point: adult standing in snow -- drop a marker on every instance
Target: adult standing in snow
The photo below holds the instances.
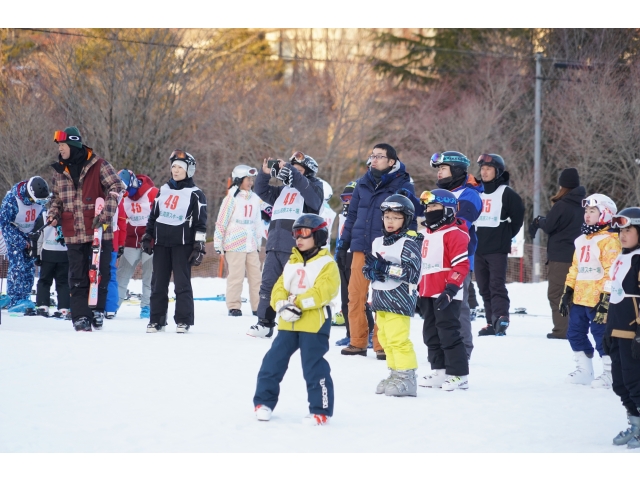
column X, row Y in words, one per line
column 238, row 237
column 80, row 177
column 20, row 209
column 301, row 193
column 386, row 175
column 499, row 221
column 133, row 215
column 563, row 224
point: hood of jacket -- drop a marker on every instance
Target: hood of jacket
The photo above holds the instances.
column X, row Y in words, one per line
column 575, row 196
column 398, row 170
column 471, row 182
column 20, row 192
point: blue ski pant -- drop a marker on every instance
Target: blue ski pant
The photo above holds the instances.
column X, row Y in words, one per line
column 112, row 290
column 580, row 322
column 315, row 369
column 20, row 276
column 79, row 263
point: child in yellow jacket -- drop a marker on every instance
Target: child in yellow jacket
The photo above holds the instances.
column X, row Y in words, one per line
column 301, row 298
column 587, row 289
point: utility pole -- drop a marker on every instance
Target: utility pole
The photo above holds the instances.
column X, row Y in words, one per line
column 536, row 167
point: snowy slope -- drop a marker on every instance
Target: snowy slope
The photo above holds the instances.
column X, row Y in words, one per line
column 122, row 390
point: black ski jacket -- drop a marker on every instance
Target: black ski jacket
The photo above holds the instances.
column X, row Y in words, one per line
column 563, row 224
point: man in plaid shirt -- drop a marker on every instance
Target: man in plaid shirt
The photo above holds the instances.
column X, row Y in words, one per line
column 80, row 178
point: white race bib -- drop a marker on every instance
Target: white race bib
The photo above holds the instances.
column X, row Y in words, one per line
column 588, row 254
column 173, row 205
column 491, row 208
column 298, row 277
column 433, row 255
column 391, row 253
column 138, row 211
column 26, row 216
column 289, row 205
column 329, row 216
column 617, row 273
column 49, row 240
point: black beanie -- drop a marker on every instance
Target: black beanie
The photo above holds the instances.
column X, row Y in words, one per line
column 569, row 178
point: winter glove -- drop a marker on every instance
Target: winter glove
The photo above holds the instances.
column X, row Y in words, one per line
column 341, row 255
column 197, row 254
column 286, row 175
column 99, row 220
column 287, row 309
column 635, row 345
column 120, row 250
column 275, row 170
column 567, row 300
column 377, row 263
column 60, row 236
column 534, row 226
column 37, row 262
column 602, row 308
column 446, row 297
column 606, row 344
column 373, row 275
column 147, row 244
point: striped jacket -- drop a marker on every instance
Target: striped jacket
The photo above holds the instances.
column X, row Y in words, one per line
column 74, row 208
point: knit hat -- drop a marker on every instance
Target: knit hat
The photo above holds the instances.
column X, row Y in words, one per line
column 71, row 136
column 569, row 178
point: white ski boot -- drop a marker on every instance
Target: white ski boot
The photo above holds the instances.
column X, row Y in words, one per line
column 383, row 383
column 260, row 331
column 624, row 438
column 315, row 420
column 455, row 382
column 604, row 380
column 403, row 384
column 263, row 413
column 434, row 380
column 583, row 374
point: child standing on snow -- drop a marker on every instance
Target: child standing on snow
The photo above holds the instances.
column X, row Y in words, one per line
column 622, row 338
column 445, row 265
column 587, row 289
column 393, row 267
column 301, row 298
column 238, row 237
column 175, row 236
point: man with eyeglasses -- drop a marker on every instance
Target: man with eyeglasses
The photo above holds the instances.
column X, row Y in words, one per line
column 386, row 175
column 79, row 179
column 301, row 193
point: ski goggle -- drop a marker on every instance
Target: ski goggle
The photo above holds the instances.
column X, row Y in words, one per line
column 61, row 136
column 485, row 158
column 306, row 232
column 589, row 202
column 297, row 157
column 440, row 159
column 178, row 155
column 392, row 206
column 620, row 221
column 346, row 197
column 427, row 197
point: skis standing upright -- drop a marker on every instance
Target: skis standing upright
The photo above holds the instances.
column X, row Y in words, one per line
column 96, row 246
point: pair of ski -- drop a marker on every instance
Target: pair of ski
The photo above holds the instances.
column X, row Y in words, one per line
column 96, row 247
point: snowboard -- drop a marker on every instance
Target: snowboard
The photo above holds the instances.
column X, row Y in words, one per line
column 96, row 246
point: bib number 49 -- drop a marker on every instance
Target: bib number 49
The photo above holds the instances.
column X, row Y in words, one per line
column 171, row 202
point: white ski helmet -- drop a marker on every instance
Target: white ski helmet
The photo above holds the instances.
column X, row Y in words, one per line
column 604, row 204
column 326, row 188
column 242, row 171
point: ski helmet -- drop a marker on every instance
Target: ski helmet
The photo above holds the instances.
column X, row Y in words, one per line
column 347, row 193
column 130, row 181
column 309, row 164
column 627, row 216
column 492, row 160
column 265, row 211
column 398, row 203
column 185, row 160
column 242, row 171
column 445, row 198
column 38, row 190
column 604, row 204
column 326, row 189
column 311, row 224
column 451, row 158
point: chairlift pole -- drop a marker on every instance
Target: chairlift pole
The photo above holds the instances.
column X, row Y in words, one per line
column 536, row 166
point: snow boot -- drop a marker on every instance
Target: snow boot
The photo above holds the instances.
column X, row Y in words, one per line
column 351, row 350
column 455, row 382
column 383, row 383
column 486, row 331
column 380, row 355
column 434, row 380
column 182, row 328
column 343, row 342
column 583, row 374
column 260, row 330
column 501, row 326
column 82, row 324
column 623, row 438
column 263, row 413
column 234, row 312
column 604, row 380
column 155, row 327
column 98, row 320
column 403, row 384
column 315, row 420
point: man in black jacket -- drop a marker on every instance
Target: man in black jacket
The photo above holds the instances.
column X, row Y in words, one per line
column 499, row 221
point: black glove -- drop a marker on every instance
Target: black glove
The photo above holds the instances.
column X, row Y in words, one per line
column 197, row 254
column 601, row 308
column 147, row 244
column 99, row 220
column 37, row 262
column 286, row 175
column 373, row 275
column 534, row 226
column 341, row 255
column 567, row 300
column 606, row 344
column 635, row 345
column 274, row 170
column 120, row 250
column 446, row 297
column 377, row 263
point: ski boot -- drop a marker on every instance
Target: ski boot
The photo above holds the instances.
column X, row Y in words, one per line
column 262, row 329
column 82, row 324
column 623, row 438
column 315, row 420
column 501, row 326
column 583, row 374
column 343, row 342
column 145, row 312
column 455, row 382
column 182, row 328
column 263, row 413
column 383, row 383
column 4, row 300
column 434, row 380
column 604, row 380
column 403, row 384
column 21, row 306
column 234, row 312
column 98, row 320
column 486, row 331
column 43, row 311
column 480, row 312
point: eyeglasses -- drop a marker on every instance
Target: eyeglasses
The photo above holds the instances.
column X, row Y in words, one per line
column 391, row 217
column 178, row 155
column 377, row 157
column 392, row 206
column 346, row 197
column 485, row 158
column 61, row 136
column 620, row 221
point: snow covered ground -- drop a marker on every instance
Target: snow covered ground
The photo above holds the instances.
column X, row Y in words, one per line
column 122, row 390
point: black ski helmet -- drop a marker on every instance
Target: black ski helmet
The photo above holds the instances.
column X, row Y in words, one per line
column 451, row 158
column 398, row 203
column 187, row 159
column 626, row 217
column 38, row 190
column 309, row 164
column 492, row 160
column 316, row 224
